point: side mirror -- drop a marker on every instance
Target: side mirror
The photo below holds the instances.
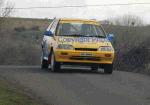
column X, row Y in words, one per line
column 110, row 37
column 48, row 33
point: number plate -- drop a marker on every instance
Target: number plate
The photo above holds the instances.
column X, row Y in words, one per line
column 86, row 54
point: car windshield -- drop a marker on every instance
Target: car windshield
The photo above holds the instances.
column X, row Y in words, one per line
column 79, row 29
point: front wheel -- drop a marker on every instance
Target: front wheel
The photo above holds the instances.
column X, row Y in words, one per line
column 44, row 64
column 55, row 66
column 108, row 68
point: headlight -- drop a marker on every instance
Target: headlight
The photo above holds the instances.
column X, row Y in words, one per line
column 65, row 47
column 106, row 48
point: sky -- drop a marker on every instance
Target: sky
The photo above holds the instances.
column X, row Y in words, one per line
column 100, row 13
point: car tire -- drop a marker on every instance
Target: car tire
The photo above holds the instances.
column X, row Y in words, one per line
column 44, row 64
column 55, row 66
column 94, row 68
column 108, row 68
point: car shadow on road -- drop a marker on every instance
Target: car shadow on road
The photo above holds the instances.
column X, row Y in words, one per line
column 76, row 71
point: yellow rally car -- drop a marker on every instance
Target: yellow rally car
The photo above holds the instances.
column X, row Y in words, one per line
column 77, row 41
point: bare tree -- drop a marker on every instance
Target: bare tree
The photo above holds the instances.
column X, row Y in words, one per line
column 127, row 20
column 5, row 10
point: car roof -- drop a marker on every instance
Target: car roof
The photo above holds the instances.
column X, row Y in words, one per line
column 79, row 20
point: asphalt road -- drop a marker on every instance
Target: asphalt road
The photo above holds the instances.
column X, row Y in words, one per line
column 80, row 86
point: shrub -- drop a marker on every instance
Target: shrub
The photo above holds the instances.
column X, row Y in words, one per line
column 35, row 28
column 20, row 29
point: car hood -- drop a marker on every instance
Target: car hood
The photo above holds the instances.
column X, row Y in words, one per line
column 83, row 42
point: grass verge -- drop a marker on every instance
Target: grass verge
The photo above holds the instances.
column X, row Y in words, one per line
column 9, row 95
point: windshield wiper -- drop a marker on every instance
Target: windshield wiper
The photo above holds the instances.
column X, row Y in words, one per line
column 80, row 35
column 97, row 36
column 75, row 35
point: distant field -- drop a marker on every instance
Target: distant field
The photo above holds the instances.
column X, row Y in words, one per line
column 20, row 41
column 20, row 44
column 27, row 23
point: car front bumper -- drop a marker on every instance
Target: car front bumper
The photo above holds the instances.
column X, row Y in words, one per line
column 72, row 56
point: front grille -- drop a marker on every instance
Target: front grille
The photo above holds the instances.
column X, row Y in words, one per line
column 85, row 58
column 86, row 49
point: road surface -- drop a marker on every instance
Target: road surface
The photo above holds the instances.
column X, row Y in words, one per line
column 80, row 86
